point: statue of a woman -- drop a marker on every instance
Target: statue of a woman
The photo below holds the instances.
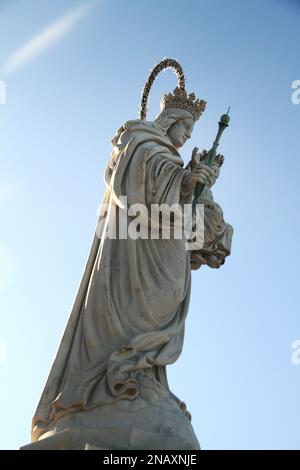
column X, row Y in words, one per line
column 108, row 386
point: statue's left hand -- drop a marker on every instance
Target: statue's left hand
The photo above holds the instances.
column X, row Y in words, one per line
column 219, row 159
column 216, row 172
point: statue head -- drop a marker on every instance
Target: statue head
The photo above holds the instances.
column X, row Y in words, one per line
column 179, row 110
column 176, row 123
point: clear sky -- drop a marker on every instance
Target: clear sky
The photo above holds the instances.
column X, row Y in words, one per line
column 73, row 72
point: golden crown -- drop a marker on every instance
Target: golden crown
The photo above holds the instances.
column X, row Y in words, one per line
column 179, row 98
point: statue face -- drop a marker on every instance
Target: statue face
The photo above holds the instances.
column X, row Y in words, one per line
column 180, row 131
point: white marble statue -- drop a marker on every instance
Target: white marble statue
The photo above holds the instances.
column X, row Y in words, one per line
column 108, row 385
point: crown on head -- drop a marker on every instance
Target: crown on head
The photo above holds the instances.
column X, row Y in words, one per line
column 179, row 98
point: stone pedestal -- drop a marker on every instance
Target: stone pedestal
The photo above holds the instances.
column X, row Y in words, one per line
column 158, row 426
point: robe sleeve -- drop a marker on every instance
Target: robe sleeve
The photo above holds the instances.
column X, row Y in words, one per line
column 154, row 177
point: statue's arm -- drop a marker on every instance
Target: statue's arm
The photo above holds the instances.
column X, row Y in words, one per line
column 197, row 172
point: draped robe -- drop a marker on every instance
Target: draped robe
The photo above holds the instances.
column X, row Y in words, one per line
column 129, row 313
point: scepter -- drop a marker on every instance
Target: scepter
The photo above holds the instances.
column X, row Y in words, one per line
column 211, row 155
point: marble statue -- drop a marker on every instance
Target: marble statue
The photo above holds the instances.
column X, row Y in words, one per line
column 108, row 386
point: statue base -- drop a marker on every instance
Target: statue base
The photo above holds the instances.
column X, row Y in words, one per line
column 157, row 426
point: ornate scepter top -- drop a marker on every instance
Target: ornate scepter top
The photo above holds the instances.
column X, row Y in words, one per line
column 179, row 98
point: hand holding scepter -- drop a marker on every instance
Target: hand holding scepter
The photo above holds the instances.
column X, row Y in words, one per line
column 211, row 155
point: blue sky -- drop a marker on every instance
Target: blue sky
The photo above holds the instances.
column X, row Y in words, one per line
column 66, row 94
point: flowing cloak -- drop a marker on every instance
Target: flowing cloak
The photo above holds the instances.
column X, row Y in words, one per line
column 130, row 310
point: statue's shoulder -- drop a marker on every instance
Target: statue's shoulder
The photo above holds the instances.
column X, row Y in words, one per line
column 130, row 129
column 143, row 138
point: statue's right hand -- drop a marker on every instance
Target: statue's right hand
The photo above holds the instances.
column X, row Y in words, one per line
column 200, row 174
column 197, row 157
column 195, row 160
